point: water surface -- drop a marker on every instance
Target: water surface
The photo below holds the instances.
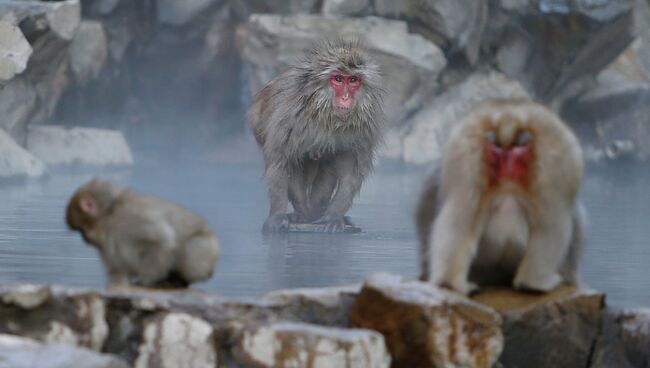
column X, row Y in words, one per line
column 36, row 246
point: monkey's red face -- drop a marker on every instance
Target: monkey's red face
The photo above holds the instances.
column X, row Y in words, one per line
column 509, row 162
column 344, row 86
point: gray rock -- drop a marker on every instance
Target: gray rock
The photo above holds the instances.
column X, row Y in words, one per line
column 174, row 340
column 57, row 145
column 54, row 317
column 14, row 51
column 624, row 339
column 422, row 139
column 18, row 100
column 99, row 7
column 285, row 344
column 556, row 329
column 88, row 51
column 613, row 123
column 459, row 22
column 20, row 352
column 244, row 8
column 324, row 306
column 410, row 64
column 585, row 36
column 61, row 17
column 181, row 12
column 345, row 7
column 15, row 161
column 425, row 326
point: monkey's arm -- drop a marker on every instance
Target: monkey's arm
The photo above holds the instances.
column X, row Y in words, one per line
column 277, row 179
column 425, row 214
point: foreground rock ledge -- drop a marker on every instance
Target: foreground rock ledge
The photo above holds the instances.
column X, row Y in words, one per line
column 557, row 329
column 415, row 325
column 302, row 345
column 428, row 327
column 20, row 352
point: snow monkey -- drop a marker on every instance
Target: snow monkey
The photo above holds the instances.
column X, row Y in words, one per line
column 318, row 125
column 142, row 239
column 503, row 206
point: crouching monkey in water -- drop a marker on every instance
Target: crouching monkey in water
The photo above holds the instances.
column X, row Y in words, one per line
column 142, row 239
column 318, row 125
column 503, row 206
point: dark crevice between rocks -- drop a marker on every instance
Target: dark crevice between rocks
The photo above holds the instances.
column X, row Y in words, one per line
column 599, row 333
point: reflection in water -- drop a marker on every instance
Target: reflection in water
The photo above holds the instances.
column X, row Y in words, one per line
column 36, row 246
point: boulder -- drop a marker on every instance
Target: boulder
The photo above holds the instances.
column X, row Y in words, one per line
column 18, row 101
column 88, row 51
column 98, row 7
column 554, row 47
column 409, row 63
column 345, row 7
column 54, row 317
column 454, row 24
column 57, row 145
column 423, row 136
column 20, row 352
column 60, row 17
column 181, row 12
column 324, row 306
column 285, row 344
column 14, row 51
column 173, row 340
column 428, row 327
column 624, row 340
column 16, row 161
column 614, row 124
column 557, row 329
column 49, row 27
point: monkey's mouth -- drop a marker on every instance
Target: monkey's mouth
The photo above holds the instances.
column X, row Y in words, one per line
column 343, row 109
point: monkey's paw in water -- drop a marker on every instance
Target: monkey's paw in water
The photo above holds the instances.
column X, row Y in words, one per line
column 323, row 226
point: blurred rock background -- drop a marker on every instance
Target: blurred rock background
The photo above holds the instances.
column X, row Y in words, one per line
column 176, row 77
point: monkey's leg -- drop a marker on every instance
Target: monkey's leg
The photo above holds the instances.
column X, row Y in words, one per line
column 298, row 195
column 547, row 249
column 198, row 257
column 569, row 268
column 424, row 217
column 117, row 278
column 322, row 188
column 454, row 243
column 349, row 183
column 277, row 178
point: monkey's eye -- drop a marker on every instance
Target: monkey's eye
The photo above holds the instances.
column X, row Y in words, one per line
column 338, row 78
column 523, row 138
column 354, row 79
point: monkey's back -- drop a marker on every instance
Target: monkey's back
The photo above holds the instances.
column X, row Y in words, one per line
column 265, row 105
column 145, row 208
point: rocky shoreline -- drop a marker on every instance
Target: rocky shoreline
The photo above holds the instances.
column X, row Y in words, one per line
column 144, row 68
column 386, row 322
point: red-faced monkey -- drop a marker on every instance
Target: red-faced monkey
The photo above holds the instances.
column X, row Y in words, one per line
column 318, row 125
column 503, row 207
column 142, row 239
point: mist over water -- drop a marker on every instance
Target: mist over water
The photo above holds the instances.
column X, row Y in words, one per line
column 36, row 246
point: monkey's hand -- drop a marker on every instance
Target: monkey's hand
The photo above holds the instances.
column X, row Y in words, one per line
column 276, row 224
column 334, row 222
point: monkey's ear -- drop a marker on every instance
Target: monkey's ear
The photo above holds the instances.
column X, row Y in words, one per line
column 88, row 205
